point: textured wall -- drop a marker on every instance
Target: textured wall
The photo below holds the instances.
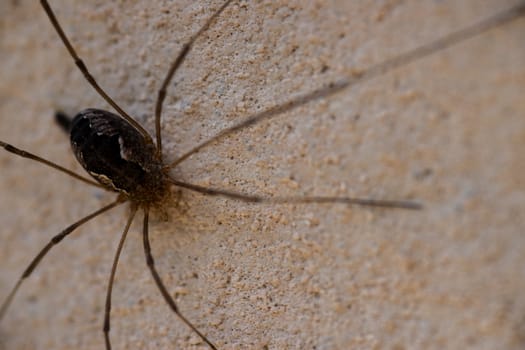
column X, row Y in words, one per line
column 448, row 130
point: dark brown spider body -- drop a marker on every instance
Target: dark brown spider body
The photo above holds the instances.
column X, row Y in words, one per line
column 117, row 155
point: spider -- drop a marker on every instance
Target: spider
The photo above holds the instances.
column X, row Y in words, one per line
column 147, row 179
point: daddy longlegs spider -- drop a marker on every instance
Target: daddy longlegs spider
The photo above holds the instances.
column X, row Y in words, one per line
column 147, row 181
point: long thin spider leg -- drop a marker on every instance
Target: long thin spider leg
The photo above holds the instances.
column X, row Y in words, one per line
column 151, row 265
column 370, row 73
column 107, row 310
column 54, row 241
column 267, row 114
column 83, row 68
column 174, row 66
column 400, row 204
column 25, row 154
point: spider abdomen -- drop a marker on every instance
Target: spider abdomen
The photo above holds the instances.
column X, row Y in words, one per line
column 117, row 155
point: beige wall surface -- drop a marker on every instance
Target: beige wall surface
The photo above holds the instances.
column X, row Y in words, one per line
column 447, row 130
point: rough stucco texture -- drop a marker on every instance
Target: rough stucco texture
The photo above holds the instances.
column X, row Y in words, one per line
column 448, row 130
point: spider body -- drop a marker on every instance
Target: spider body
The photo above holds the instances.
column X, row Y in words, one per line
column 115, row 154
